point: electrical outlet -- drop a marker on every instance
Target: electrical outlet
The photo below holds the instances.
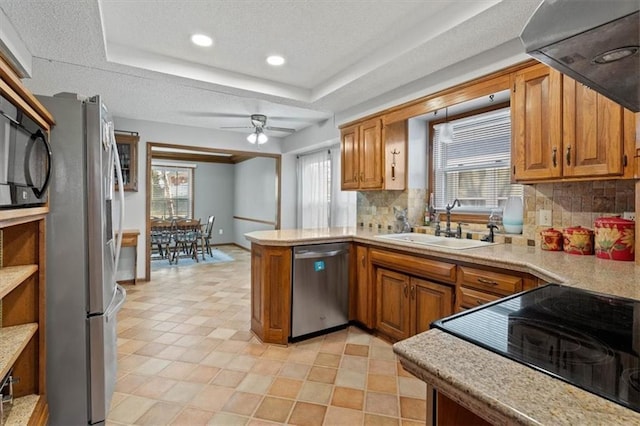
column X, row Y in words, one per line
column 629, row 215
column 544, row 217
column 220, row 232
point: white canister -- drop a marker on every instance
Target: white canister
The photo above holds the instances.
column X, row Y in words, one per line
column 512, row 218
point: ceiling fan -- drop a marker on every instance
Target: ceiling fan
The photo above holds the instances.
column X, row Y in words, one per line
column 259, row 124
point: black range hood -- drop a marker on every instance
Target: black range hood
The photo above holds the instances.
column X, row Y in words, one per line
column 595, row 42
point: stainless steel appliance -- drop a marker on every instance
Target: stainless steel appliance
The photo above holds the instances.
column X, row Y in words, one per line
column 593, row 41
column 25, row 159
column 83, row 298
column 587, row 339
column 320, row 288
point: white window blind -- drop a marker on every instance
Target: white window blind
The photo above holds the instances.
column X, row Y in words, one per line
column 474, row 166
column 171, row 192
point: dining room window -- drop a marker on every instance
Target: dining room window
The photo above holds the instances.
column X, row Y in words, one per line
column 171, row 192
column 473, row 163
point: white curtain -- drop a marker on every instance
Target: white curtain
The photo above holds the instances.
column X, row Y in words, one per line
column 343, row 203
column 314, row 172
column 321, row 203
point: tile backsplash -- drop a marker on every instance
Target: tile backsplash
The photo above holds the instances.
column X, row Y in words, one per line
column 570, row 203
column 375, row 208
column 576, row 203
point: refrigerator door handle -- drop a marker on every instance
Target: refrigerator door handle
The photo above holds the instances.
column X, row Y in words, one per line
column 116, row 157
column 116, row 302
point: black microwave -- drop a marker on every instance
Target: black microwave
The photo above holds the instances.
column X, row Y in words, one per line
column 25, row 159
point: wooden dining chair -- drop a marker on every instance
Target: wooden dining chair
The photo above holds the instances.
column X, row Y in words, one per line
column 205, row 237
column 187, row 234
column 161, row 236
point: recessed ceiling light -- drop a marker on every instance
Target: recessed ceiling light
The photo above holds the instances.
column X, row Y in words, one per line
column 201, row 40
column 275, row 60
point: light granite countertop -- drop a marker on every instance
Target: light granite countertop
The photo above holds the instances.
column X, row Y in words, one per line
column 497, row 388
column 587, row 272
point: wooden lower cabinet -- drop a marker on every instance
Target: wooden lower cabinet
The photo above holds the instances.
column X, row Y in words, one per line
column 392, row 307
column 450, row 413
column 480, row 285
column 432, row 301
column 271, row 293
column 407, row 305
column 23, row 318
column 363, row 294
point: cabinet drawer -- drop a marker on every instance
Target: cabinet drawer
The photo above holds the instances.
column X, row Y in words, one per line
column 413, row 265
column 494, row 282
column 471, row 298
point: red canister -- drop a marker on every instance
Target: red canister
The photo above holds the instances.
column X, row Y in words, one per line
column 578, row 240
column 551, row 240
column 615, row 238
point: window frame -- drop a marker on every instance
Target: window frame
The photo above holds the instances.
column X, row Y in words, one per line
column 464, row 217
column 192, row 194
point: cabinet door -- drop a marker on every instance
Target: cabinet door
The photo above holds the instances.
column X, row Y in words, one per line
column 429, row 302
column 350, row 157
column 371, row 155
column 364, row 292
column 393, row 308
column 536, row 124
column 128, row 154
column 394, row 138
column 592, row 132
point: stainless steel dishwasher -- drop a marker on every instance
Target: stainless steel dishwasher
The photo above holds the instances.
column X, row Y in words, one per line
column 320, row 288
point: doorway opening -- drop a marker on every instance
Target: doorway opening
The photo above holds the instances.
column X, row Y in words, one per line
column 241, row 189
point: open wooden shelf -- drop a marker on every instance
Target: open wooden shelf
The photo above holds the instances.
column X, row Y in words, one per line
column 13, row 340
column 19, row 412
column 12, row 276
column 17, row 216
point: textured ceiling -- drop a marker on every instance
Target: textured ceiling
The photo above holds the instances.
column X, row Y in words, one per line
column 340, row 54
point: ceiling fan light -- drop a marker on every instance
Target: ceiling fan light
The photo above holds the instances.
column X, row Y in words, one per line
column 262, row 138
column 252, row 138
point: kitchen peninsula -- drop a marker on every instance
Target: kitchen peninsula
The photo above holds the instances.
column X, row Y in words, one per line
column 495, row 388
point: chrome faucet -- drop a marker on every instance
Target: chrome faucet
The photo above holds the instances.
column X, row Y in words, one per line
column 447, row 231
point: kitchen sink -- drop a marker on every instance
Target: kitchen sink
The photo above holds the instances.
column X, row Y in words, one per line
column 432, row 240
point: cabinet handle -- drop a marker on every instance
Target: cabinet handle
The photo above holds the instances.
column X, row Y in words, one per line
column 486, row 281
column 478, row 302
column 413, row 292
column 355, row 177
column 554, row 157
column 569, row 155
column 362, row 177
column 362, row 260
column 406, row 291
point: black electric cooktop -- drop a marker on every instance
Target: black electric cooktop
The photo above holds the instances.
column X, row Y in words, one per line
column 587, row 339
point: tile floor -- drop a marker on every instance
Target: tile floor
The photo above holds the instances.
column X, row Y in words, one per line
column 187, row 357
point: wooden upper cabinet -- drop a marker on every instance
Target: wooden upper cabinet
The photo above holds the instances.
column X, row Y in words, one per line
column 371, row 157
column 350, row 156
column 592, row 132
column 536, row 124
column 562, row 129
column 128, row 153
column 367, row 159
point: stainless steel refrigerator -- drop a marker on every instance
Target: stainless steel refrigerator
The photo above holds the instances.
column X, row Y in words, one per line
column 83, row 297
